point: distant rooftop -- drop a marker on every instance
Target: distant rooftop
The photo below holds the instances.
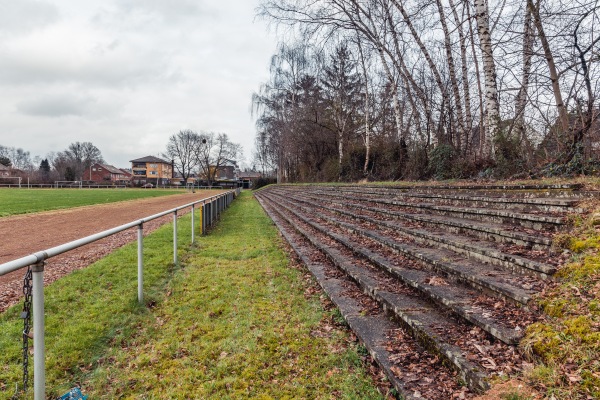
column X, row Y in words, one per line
column 151, row 159
column 110, row 168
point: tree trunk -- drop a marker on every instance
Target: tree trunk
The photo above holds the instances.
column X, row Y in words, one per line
column 388, row 72
column 460, row 121
column 465, row 76
column 521, row 100
column 537, row 21
column 367, row 121
column 489, row 71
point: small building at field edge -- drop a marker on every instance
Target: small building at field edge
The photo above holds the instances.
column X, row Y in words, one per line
column 104, row 173
column 153, row 170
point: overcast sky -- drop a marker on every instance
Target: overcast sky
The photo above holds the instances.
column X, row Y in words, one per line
column 127, row 74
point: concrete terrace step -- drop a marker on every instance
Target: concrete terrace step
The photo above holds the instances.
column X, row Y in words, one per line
column 459, row 244
column 424, row 320
column 532, row 221
column 544, row 204
column 457, row 298
column 488, row 231
column 495, row 281
column 474, row 187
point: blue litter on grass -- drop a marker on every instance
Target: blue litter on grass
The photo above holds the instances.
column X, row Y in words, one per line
column 73, row 394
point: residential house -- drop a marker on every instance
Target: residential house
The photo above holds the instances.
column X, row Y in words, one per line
column 152, row 170
column 4, row 170
column 247, row 178
column 104, row 173
column 178, row 179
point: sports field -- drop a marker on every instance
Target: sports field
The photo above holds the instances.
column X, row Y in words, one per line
column 23, row 201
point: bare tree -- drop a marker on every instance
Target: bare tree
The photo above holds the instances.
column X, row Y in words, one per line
column 181, row 148
column 212, row 151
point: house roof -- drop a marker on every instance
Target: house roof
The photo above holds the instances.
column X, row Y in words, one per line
column 151, row 159
column 110, row 168
column 249, row 174
column 4, row 168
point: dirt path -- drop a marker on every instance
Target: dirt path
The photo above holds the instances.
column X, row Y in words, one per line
column 22, row 235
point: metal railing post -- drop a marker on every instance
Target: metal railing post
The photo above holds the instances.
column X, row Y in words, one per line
column 39, row 354
column 193, row 233
column 203, row 214
column 175, row 237
column 140, row 255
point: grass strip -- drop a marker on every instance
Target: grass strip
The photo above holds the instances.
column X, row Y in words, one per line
column 567, row 341
column 21, row 201
column 234, row 320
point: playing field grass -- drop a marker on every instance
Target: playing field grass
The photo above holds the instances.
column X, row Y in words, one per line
column 234, row 320
column 23, row 201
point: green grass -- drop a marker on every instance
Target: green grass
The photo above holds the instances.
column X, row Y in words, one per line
column 566, row 342
column 22, row 201
column 234, row 320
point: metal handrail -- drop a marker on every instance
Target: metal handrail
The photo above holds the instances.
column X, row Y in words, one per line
column 63, row 248
column 211, row 208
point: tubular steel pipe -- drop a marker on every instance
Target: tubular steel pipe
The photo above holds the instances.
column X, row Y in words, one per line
column 39, row 353
column 193, row 233
column 175, row 237
column 63, row 248
column 140, row 260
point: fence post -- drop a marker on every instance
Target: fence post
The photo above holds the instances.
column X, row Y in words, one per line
column 193, row 233
column 203, row 213
column 39, row 354
column 140, row 255
column 175, row 237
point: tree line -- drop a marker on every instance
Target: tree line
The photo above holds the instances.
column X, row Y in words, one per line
column 70, row 164
column 192, row 153
column 407, row 89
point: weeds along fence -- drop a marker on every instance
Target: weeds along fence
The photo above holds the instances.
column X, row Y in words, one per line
column 210, row 208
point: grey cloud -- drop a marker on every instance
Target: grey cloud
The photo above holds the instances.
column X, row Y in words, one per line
column 125, row 69
column 56, row 106
column 145, row 15
column 19, row 16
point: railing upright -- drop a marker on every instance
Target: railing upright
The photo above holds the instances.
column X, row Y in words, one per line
column 140, row 260
column 175, row 237
column 193, row 218
column 39, row 332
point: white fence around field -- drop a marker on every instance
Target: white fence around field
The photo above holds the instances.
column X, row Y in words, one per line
column 211, row 209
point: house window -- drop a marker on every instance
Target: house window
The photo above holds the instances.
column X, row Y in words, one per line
column 153, row 173
column 152, row 165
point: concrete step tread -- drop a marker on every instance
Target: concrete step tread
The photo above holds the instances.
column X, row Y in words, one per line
column 457, row 242
column 514, row 187
column 458, row 298
column 544, row 201
column 420, row 316
column 468, row 210
column 470, row 225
